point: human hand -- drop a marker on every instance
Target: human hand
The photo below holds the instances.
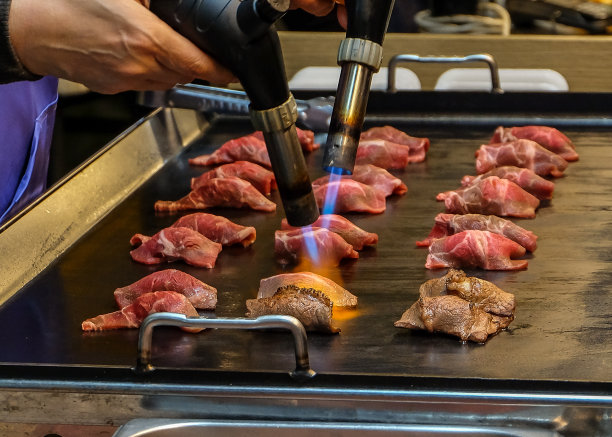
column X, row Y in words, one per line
column 322, row 7
column 107, row 45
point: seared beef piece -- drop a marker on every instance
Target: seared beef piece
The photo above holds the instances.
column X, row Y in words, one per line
column 384, row 154
column 351, row 233
column 491, row 196
column 251, row 148
column 352, row 196
column 525, row 178
column 305, row 137
column 455, row 316
column 520, row 153
column 248, row 148
column 171, row 244
column 340, row 297
column 201, row 295
column 467, row 307
column 218, row 229
column 484, row 294
column 132, row 315
column 547, row 137
column 376, row 177
column 418, row 146
column 293, row 246
column 450, row 224
column 309, row 306
column 259, row 177
column 482, row 249
column 230, row 192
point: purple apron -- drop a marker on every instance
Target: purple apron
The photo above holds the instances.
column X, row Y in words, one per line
column 27, row 115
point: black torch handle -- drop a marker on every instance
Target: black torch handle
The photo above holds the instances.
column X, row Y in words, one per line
column 238, row 34
column 368, row 19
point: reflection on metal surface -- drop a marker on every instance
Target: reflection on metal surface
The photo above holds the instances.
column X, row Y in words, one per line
column 42, row 232
column 193, row 428
column 121, row 404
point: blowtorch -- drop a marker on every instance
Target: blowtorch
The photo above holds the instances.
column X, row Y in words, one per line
column 240, row 35
column 360, row 56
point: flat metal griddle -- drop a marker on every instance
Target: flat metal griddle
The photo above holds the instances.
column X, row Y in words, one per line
column 561, row 333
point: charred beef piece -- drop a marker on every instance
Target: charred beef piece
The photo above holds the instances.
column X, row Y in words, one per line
column 309, row 306
column 483, row 294
column 340, row 297
column 467, row 307
column 455, row 316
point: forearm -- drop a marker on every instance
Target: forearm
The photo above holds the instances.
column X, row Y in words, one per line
column 11, row 69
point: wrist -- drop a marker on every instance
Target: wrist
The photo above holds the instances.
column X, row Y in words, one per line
column 12, row 69
column 14, row 38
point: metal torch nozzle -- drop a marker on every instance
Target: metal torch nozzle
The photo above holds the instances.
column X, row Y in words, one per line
column 360, row 55
column 288, row 163
column 347, row 118
column 360, row 59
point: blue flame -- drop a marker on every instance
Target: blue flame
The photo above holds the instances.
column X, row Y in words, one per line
column 311, row 245
column 332, row 191
column 328, row 208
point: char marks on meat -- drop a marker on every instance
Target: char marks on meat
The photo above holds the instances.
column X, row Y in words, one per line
column 230, row 192
column 247, row 148
column 292, row 246
column 261, row 178
column 480, row 293
column 309, row 306
column 218, row 229
column 201, row 295
column 482, row 249
column 548, row 137
column 449, row 224
column 376, row 177
column 352, row 196
column 418, row 146
column 132, row 315
column 467, row 307
column 455, row 316
column 520, row 153
column 340, row 297
column 171, row 244
column 491, row 196
column 523, row 177
column 351, row 233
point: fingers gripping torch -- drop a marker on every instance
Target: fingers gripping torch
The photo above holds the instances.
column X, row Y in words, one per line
column 240, row 35
column 360, row 56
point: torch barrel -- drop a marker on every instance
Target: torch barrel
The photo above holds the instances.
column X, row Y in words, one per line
column 360, row 55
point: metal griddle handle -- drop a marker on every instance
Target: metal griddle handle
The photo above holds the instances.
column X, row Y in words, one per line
column 145, row 336
column 481, row 57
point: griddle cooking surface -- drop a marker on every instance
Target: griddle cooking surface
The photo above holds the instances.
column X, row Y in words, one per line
column 563, row 317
